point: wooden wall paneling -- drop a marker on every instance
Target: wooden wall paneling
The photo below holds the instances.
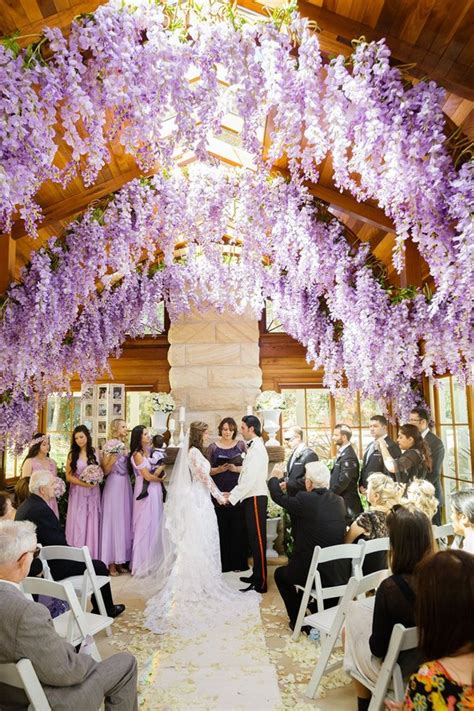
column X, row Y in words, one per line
column 7, row 261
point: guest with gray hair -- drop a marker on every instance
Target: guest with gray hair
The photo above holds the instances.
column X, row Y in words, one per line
column 50, row 533
column 320, row 516
column 70, row 681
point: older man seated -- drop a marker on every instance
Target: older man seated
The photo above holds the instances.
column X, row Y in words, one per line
column 70, row 681
column 50, row 533
column 320, row 516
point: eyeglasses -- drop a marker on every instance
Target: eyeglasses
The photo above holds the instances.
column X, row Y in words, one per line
column 35, row 552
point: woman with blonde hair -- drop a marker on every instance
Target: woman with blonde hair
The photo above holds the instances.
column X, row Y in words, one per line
column 421, row 493
column 382, row 494
column 116, row 525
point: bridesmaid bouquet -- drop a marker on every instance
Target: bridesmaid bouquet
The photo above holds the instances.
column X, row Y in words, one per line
column 59, row 487
column 92, row 474
column 114, row 446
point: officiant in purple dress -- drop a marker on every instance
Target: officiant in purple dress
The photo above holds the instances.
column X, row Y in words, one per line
column 225, row 456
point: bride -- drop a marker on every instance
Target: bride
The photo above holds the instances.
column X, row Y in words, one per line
column 191, row 589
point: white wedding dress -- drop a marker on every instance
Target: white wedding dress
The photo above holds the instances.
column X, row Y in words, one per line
column 191, row 588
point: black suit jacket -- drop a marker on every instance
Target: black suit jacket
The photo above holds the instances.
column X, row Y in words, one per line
column 320, row 516
column 374, row 463
column 436, row 447
column 297, row 470
column 344, row 478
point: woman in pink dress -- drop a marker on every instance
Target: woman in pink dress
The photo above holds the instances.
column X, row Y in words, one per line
column 116, row 523
column 147, row 512
column 83, row 510
column 37, row 460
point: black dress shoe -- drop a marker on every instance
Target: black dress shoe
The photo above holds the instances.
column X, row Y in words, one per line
column 252, row 587
column 116, row 610
column 246, row 579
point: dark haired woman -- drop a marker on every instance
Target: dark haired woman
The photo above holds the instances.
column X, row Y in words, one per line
column 83, row 508
column 462, row 517
column 38, row 459
column 367, row 636
column 7, row 510
column 147, row 512
column 415, row 460
column 225, row 456
column 192, row 593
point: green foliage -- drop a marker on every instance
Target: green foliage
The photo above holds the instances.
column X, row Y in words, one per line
column 10, row 43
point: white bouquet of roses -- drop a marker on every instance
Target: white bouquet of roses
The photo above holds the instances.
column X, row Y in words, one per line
column 92, row 474
column 273, row 510
column 159, row 402
column 271, row 400
column 59, row 487
column 114, row 446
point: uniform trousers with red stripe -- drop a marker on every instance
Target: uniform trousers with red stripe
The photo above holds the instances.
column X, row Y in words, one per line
column 255, row 511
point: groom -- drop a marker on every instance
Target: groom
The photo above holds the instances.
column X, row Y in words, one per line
column 252, row 492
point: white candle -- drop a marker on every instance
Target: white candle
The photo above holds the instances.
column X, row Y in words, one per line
column 249, row 410
column 171, row 424
column 182, row 414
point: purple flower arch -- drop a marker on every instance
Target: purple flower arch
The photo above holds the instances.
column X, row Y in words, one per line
column 123, row 74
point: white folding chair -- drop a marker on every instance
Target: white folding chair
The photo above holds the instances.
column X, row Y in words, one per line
column 75, row 624
column 23, row 676
column 443, row 531
column 375, row 545
column 85, row 585
column 313, row 587
column 402, row 639
column 330, row 623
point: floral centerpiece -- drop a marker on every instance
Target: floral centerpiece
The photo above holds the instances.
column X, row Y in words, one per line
column 92, row 474
column 114, row 446
column 159, row 402
column 271, row 400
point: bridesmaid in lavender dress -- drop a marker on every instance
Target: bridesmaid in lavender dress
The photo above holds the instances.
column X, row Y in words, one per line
column 147, row 512
column 83, row 511
column 116, row 524
column 38, row 459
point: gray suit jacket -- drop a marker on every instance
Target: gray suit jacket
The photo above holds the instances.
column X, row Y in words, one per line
column 70, row 680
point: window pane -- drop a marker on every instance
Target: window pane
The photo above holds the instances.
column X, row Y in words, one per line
column 367, row 409
column 460, row 403
column 318, row 408
column 60, row 445
column 62, row 412
column 135, row 402
column 445, row 406
column 447, row 435
column 347, row 409
column 320, row 441
column 449, row 487
column 464, row 453
column 295, row 414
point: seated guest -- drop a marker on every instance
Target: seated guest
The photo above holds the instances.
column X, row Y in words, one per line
column 345, row 472
column 372, row 461
column 367, row 633
column 320, row 516
column 462, row 517
column 444, row 617
column 415, row 460
column 7, row 510
column 70, row 681
column 382, row 494
column 49, row 533
column 421, row 493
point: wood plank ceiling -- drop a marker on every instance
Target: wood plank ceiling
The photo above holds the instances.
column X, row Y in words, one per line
column 436, row 35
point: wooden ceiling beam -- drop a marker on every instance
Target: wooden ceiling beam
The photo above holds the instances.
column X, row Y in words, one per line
column 337, row 32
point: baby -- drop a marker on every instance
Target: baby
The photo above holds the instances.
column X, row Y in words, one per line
column 157, row 457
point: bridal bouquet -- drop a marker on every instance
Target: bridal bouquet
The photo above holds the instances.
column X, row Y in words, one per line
column 273, row 510
column 159, row 402
column 114, row 446
column 59, row 487
column 271, row 400
column 92, row 474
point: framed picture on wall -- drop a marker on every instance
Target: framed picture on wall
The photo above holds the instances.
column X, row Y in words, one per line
column 117, row 392
column 102, row 426
column 117, row 409
column 103, row 392
column 101, row 442
column 102, row 409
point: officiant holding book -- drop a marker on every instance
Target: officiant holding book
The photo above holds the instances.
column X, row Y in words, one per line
column 225, row 456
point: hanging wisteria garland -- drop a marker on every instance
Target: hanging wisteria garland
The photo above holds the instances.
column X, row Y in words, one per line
column 84, row 293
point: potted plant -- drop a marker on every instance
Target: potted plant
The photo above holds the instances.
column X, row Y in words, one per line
column 269, row 404
column 158, row 406
column 274, row 516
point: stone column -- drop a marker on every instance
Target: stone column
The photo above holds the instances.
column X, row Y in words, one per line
column 214, row 361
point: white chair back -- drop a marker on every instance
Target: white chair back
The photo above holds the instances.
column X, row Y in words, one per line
column 374, row 545
column 77, row 625
column 23, row 676
column 443, row 531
